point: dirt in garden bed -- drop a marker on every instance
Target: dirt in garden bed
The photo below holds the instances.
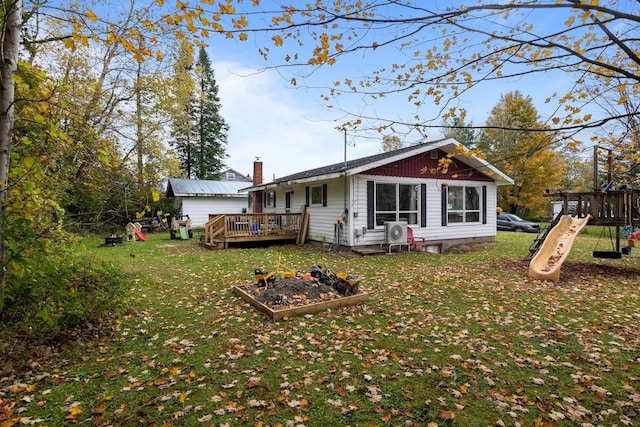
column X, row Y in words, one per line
column 292, row 292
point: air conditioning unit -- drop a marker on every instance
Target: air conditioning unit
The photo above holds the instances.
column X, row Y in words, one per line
column 395, row 233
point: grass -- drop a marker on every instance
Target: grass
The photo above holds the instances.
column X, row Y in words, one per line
column 460, row 339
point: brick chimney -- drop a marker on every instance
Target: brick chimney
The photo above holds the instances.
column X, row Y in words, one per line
column 257, row 172
column 257, row 180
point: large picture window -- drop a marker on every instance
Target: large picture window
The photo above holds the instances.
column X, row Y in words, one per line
column 396, row 202
column 463, row 204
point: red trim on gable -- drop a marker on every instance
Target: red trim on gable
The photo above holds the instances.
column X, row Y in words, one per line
column 423, row 166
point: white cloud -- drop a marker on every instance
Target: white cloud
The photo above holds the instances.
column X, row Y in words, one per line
column 288, row 130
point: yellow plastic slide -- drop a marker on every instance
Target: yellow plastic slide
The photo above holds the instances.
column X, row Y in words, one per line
column 555, row 248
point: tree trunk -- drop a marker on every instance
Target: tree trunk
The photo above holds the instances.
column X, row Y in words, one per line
column 139, row 133
column 12, row 11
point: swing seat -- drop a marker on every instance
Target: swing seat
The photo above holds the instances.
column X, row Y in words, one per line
column 607, row 254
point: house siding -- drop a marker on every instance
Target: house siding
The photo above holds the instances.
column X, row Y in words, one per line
column 434, row 231
column 426, row 165
column 323, row 220
column 199, row 208
column 425, row 169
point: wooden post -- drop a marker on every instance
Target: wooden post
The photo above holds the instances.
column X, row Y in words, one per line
column 595, row 169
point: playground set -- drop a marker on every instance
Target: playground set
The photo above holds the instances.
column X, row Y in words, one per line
column 613, row 207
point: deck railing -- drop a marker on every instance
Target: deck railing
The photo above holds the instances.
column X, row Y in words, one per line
column 613, row 207
column 225, row 228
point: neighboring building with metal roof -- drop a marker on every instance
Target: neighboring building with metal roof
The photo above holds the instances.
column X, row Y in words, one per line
column 199, row 198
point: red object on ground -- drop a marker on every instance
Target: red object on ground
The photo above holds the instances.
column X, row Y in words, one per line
column 635, row 235
column 141, row 236
column 415, row 243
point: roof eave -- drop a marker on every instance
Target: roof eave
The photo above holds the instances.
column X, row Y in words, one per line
column 209, row 195
column 309, row 180
column 448, row 145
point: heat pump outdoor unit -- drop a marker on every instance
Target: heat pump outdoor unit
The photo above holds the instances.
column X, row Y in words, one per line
column 395, row 233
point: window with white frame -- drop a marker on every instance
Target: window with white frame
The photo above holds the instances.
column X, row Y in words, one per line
column 396, row 202
column 270, row 199
column 317, row 198
column 231, row 176
column 463, row 204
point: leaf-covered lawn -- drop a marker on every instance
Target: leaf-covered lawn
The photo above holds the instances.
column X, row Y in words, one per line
column 462, row 339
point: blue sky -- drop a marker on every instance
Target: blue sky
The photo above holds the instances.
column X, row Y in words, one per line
column 290, row 128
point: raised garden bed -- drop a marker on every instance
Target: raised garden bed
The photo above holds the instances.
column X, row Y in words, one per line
column 290, row 297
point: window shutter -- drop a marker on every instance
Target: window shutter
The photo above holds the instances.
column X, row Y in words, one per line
column 444, row 205
column 306, row 200
column 484, row 204
column 371, row 221
column 423, row 205
column 274, row 199
column 324, row 195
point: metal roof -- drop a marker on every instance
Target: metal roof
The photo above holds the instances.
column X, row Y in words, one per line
column 178, row 187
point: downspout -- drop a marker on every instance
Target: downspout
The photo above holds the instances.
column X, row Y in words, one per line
column 345, row 212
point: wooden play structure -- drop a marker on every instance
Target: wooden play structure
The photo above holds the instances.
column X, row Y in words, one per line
column 615, row 208
column 611, row 209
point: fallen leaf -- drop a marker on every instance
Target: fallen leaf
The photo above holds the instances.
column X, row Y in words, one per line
column 446, row 415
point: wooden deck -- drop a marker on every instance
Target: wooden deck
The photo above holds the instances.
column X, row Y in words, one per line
column 612, row 208
column 223, row 229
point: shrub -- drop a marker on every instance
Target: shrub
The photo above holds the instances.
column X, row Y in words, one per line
column 54, row 298
column 76, row 295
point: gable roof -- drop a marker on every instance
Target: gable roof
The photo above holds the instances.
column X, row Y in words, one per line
column 238, row 176
column 356, row 166
column 178, row 187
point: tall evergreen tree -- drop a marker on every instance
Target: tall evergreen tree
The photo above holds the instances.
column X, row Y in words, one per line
column 211, row 127
column 199, row 133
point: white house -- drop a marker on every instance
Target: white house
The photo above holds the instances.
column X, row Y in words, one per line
column 443, row 193
column 200, row 198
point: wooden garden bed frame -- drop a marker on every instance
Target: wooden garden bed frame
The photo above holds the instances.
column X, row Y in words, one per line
column 286, row 313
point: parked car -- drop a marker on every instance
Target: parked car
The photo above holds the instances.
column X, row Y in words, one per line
column 511, row 222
